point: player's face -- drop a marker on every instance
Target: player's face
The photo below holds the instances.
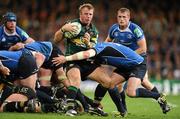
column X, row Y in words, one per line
column 11, row 25
column 123, row 19
column 86, row 15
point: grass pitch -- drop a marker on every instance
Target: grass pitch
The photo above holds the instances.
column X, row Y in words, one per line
column 138, row 108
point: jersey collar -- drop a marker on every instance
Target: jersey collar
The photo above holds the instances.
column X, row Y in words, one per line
column 9, row 34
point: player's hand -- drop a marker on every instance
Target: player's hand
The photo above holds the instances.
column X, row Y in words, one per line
column 59, row 60
column 69, row 27
column 4, row 70
column 17, row 46
column 86, row 38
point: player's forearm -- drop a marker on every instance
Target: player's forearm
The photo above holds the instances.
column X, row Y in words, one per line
column 81, row 55
column 141, row 50
column 58, row 36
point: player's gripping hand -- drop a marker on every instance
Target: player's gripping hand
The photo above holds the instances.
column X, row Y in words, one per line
column 86, row 39
column 69, row 27
column 17, row 46
column 59, row 60
column 4, row 70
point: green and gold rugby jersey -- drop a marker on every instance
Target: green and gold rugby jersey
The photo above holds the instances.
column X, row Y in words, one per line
column 76, row 44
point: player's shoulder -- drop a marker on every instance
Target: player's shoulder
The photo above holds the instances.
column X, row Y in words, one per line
column 133, row 25
column 116, row 25
column 19, row 30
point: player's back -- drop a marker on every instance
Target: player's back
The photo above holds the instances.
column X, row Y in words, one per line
column 117, row 55
column 10, row 59
column 43, row 47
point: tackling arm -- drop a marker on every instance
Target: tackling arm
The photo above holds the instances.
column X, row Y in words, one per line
column 81, row 55
column 77, row 56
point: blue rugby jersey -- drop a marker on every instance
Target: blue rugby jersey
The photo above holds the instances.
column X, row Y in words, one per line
column 10, row 59
column 117, row 55
column 128, row 36
column 8, row 40
column 43, row 47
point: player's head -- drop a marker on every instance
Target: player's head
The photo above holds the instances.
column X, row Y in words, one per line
column 9, row 20
column 123, row 17
column 86, row 12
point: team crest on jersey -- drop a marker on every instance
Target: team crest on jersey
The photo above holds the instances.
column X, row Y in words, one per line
column 129, row 36
column 115, row 34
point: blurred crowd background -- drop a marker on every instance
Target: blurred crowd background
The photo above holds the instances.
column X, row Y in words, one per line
column 160, row 20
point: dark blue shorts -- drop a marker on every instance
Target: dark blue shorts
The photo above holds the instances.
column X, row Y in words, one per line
column 27, row 65
column 85, row 67
column 138, row 71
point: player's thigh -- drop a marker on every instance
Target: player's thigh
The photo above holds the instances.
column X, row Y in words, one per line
column 44, row 76
column 100, row 75
column 74, row 76
column 116, row 79
column 132, row 85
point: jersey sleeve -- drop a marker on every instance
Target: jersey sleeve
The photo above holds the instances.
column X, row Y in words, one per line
column 138, row 32
column 24, row 36
column 111, row 30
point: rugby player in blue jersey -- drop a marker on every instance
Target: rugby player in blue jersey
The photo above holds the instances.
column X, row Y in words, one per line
column 12, row 37
column 17, row 80
column 129, row 66
column 131, row 35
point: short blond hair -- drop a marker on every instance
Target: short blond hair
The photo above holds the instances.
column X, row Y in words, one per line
column 123, row 9
column 87, row 5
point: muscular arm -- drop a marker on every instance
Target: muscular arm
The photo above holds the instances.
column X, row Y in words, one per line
column 29, row 40
column 66, row 27
column 81, row 55
column 142, row 46
column 58, row 36
column 20, row 45
column 77, row 56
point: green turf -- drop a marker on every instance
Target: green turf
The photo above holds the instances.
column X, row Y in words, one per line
column 137, row 109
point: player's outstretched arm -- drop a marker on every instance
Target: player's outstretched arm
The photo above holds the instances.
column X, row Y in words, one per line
column 77, row 56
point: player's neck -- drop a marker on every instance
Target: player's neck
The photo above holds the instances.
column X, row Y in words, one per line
column 9, row 31
column 123, row 27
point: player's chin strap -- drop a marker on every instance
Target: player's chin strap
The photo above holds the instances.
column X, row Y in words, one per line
column 9, row 89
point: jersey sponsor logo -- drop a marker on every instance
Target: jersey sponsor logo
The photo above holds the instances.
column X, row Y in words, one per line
column 137, row 32
column 24, row 34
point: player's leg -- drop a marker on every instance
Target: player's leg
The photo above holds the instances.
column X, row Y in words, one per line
column 122, row 94
column 148, row 85
column 106, row 81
